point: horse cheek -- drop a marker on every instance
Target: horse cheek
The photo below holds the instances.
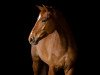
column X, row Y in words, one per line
column 50, row 28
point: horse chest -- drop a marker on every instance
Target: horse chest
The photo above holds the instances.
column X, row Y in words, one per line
column 50, row 49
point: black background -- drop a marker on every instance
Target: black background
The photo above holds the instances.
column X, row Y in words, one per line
column 19, row 18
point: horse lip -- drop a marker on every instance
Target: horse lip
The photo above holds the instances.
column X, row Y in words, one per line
column 34, row 43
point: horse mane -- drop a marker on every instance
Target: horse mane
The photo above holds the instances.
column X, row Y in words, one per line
column 64, row 26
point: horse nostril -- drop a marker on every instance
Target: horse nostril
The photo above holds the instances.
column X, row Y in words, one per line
column 31, row 39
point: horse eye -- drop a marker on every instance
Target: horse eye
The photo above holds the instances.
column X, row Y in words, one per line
column 44, row 20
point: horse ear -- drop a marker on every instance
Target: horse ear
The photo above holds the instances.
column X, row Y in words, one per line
column 45, row 7
column 39, row 7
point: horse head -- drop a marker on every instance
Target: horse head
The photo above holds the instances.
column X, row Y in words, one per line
column 44, row 25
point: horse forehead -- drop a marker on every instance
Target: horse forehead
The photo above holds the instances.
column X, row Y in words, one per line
column 42, row 14
column 39, row 17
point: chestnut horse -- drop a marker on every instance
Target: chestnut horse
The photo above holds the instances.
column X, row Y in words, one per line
column 52, row 42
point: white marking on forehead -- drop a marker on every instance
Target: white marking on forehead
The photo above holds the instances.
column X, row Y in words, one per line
column 39, row 17
column 31, row 33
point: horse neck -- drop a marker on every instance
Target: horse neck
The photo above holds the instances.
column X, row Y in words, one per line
column 64, row 30
column 62, row 26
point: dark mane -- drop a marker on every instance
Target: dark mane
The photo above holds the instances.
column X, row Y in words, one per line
column 63, row 25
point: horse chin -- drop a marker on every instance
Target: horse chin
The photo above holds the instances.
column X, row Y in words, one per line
column 35, row 42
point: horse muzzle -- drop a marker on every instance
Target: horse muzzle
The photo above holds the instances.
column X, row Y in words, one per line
column 33, row 41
